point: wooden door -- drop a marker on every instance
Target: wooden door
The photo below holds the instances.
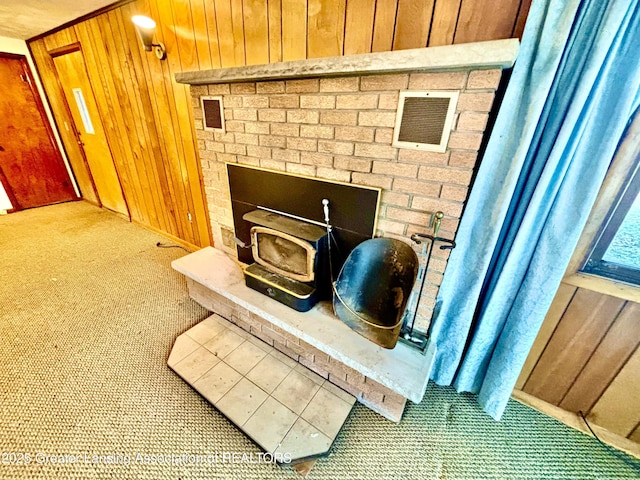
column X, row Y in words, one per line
column 31, row 167
column 88, row 125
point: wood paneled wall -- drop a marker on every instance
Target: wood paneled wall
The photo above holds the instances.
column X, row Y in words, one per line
column 147, row 115
column 587, row 358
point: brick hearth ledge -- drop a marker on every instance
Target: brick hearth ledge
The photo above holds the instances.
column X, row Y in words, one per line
column 379, row 378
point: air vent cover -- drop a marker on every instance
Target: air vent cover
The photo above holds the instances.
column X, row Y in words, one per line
column 424, row 120
column 213, row 113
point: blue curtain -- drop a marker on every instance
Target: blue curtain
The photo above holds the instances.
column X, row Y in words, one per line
column 571, row 94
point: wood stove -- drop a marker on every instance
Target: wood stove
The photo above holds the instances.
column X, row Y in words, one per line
column 280, row 215
column 290, row 259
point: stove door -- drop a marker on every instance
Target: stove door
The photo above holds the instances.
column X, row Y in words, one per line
column 284, row 254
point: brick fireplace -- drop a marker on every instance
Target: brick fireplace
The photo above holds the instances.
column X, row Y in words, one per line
column 334, row 119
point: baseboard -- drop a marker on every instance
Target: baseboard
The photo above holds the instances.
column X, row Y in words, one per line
column 573, row 420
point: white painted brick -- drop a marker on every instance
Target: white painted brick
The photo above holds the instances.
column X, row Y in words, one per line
column 243, row 88
column 409, row 170
column 373, row 150
column 272, row 115
column 356, row 134
column 395, row 198
column 297, row 143
column 377, row 119
column 371, row 180
column 284, row 101
column 285, row 155
column 384, row 82
column 273, row 141
column 317, row 159
column 463, row 159
column 416, row 186
column 299, row 169
column 340, row 84
column 438, row 81
column 420, row 156
column 317, row 101
column 270, row 87
column 338, row 148
column 384, row 135
column 316, row 131
column 256, row 127
column 333, row 174
column 273, row 164
column 433, row 205
column 302, row 116
column 484, row 79
column 250, row 114
column 338, row 118
column 302, row 86
column 356, row 102
column 259, row 152
column 247, row 138
column 286, row 129
column 257, row 101
column 445, row 175
column 388, row 101
column 352, row 163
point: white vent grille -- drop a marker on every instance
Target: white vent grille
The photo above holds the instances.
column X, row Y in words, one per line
column 424, row 120
column 213, row 113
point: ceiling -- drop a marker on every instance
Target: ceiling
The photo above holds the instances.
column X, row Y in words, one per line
column 24, row 19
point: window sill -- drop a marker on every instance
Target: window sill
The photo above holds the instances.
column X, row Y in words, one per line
column 604, row 285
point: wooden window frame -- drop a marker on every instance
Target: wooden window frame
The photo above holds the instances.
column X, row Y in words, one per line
column 595, row 264
column 623, row 167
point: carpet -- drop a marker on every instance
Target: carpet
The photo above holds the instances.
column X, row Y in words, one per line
column 89, row 310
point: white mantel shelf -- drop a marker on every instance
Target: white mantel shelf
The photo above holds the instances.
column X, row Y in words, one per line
column 492, row 54
column 403, row 369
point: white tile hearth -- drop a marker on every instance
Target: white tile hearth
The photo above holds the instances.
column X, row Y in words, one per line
column 214, row 384
column 296, row 391
column 183, row 346
column 205, row 330
column 245, row 357
column 224, row 343
column 242, row 401
column 269, row 373
column 316, row 413
column 196, row 364
column 270, row 424
column 281, row 405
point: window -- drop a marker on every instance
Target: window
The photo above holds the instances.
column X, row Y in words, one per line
column 616, row 251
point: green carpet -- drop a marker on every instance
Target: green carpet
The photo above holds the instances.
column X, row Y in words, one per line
column 89, row 310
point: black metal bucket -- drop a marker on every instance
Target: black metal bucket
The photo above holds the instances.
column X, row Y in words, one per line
column 373, row 287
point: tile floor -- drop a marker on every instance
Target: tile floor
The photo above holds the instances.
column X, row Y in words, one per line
column 282, row 405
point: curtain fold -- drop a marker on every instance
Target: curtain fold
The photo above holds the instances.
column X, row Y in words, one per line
column 572, row 92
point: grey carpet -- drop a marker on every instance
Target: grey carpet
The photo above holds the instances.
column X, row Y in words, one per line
column 89, row 310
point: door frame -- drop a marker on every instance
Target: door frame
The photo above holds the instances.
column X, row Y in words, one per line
column 56, row 52
column 77, row 47
column 39, row 101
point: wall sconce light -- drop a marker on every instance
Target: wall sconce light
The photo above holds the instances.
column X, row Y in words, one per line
column 146, row 27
